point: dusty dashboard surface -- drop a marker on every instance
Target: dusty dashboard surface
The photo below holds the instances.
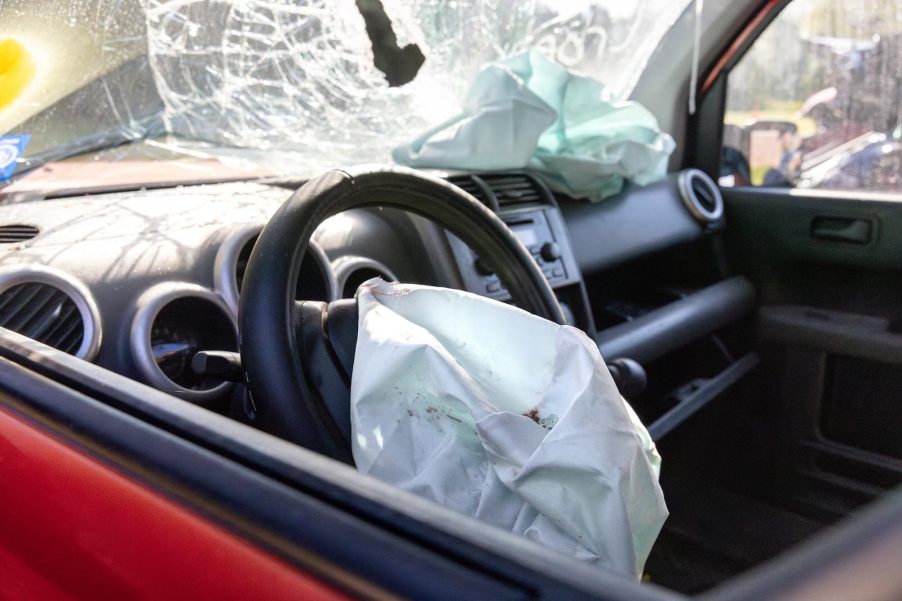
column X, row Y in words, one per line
column 140, row 281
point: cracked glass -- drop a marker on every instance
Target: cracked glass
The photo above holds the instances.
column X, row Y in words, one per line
column 158, row 91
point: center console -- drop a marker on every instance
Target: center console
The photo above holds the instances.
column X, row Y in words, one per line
column 530, row 210
column 664, row 311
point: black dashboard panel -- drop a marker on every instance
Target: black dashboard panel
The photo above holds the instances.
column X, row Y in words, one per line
column 639, row 221
column 680, row 322
column 132, row 250
column 120, row 246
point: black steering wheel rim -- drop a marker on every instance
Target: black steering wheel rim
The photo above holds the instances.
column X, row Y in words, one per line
column 268, row 319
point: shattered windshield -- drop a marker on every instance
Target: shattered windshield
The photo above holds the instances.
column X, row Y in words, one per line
column 222, row 89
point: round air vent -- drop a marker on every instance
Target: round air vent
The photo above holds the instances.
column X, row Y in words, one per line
column 10, row 234
column 50, row 306
column 316, row 280
column 172, row 323
column 351, row 271
column 701, row 196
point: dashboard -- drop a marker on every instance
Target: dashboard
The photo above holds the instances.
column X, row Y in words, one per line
column 139, row 281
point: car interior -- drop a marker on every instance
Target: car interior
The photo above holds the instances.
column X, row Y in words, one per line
column 755, row 331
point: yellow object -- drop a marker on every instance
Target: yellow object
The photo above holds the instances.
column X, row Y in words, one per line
column 16, row 70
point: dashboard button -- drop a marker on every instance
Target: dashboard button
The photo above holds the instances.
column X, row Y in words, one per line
column 551, row 251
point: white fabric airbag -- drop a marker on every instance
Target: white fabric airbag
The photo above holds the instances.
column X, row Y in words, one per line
column 503, row 416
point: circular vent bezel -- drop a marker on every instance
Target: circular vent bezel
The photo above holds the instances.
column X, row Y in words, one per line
column 696, row 207
column 345, row 266
column 78, row 293
column 149, row 306
column 225, row 279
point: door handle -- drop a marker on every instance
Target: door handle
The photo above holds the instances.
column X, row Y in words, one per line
column 842, row 229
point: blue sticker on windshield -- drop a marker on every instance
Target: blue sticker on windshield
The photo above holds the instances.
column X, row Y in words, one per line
column 11, row 148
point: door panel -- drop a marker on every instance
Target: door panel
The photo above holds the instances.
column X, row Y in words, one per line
column 830, row 331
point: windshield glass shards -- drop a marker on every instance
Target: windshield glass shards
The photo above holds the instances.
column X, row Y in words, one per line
column 280, row 87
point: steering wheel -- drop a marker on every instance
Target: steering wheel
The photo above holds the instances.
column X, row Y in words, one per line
column 298, row 356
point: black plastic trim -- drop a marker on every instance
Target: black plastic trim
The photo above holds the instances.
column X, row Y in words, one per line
column 858, row 559
column 704, row 134
column 663, row 330
column 707, row 391
column 639, row 221
column 831, row 331
column 788, row 238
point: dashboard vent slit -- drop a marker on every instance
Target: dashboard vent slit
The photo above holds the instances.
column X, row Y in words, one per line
column 22, row 299
column 506, row 184
column 701, row 197
column 43, row 312
column 514, row 190
column 10, row 234
column 503, row 190
column 468, row 184
column 44, row 326
column 704, row 195
column 478, row 188
column 67, row 334
column 72, row 340
column 472, row 188
column 45, row 305
column 5, row 303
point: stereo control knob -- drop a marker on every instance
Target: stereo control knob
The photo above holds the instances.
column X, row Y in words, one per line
column 551, row 252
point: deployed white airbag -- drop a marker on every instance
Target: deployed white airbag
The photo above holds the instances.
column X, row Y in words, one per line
column 503, row 416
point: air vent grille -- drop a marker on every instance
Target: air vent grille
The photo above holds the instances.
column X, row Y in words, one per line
column 701, row 197
column 468, row 184
column 10, row 234
column 502, row 190
column 514, row 189
column 43, row 312
column 704, row 194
